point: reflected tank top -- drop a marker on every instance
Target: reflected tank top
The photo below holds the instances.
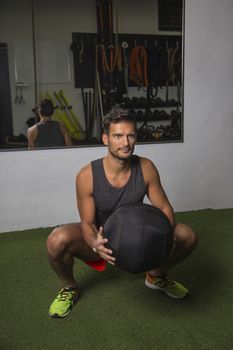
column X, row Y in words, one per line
column 49, row 135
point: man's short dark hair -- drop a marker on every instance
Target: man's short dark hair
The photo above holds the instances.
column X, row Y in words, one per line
column 46, row 108
column 117, row 115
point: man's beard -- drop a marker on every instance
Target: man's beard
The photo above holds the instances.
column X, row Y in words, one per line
column 115, row 155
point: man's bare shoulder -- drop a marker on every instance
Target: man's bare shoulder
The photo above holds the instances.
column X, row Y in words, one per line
column 32, row 130
column 148, row 168
column 84, row 182
column 84, row 179
column 85, row 172
column 147, row 163
column 32, row 136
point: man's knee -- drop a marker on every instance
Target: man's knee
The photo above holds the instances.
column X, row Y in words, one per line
column 185, row 236
column 57, row 241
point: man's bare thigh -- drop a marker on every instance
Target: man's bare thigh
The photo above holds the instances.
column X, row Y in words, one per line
column 75, row 243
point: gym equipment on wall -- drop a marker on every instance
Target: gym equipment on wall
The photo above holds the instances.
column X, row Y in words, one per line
column 161, row 47
column 70, row 111
column 61, row 114
column 121, row 61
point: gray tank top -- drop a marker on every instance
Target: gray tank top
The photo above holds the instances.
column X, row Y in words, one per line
column 49, row 135
column 108, row 198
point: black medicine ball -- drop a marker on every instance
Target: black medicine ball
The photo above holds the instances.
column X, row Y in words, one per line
column 141, row 237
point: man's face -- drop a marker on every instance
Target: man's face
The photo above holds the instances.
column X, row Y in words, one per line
column 121, row 140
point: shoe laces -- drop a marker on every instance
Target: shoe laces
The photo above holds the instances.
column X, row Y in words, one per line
column 65, row 294
column 166, row 282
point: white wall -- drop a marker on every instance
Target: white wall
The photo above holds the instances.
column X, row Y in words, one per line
column 37, row 187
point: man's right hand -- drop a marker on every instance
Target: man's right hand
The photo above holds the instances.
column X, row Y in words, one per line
column 100, row 249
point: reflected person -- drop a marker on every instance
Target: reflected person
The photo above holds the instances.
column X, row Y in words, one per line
column 47, row 132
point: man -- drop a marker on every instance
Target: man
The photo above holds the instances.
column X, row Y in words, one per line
column 48, row 132
column 118, row 179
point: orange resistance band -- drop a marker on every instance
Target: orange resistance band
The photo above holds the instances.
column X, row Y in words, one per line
column 138, row 66
column 115, row 59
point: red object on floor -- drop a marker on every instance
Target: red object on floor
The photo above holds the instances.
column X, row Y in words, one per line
column 99, row 265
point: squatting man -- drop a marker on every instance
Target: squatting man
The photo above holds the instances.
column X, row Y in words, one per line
column 120, row 178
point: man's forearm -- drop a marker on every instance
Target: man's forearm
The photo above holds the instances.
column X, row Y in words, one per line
column 168, row 211
column 89, row 232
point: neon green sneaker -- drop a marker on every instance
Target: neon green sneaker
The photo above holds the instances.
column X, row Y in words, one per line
column 63, row 303
column 167, row 285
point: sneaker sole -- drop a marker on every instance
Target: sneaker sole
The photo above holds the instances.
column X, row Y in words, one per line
column 60, row 316
column 153, row 286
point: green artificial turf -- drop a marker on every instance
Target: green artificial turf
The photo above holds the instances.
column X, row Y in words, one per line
column 115, row 310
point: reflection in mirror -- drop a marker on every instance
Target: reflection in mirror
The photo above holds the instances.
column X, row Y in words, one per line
column 87, row 57
column 17, row 92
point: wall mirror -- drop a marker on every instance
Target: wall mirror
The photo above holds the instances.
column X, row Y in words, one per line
column 87, row 57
